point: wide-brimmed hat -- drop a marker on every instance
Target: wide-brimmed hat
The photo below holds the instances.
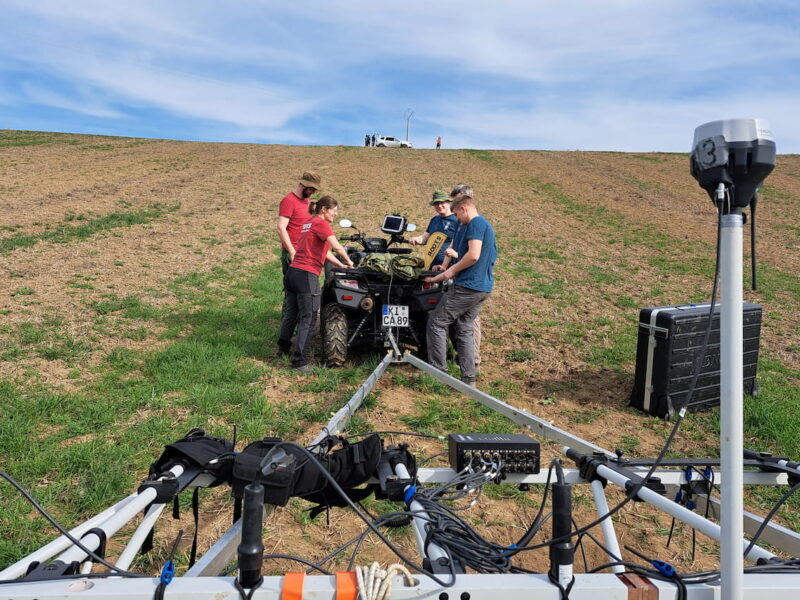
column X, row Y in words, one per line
column 439, row 196
column 311, row 180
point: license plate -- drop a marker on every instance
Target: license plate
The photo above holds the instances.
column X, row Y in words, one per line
column 395, row 315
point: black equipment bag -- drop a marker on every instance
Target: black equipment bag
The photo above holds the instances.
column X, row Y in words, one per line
column 670, row 341
column 197, row 449
column 350, row 466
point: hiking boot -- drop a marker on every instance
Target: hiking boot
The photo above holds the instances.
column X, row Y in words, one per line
column 304, row 369
column 282, row 353
column 468, row 381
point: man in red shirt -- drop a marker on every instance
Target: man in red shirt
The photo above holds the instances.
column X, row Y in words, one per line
column 292, row 213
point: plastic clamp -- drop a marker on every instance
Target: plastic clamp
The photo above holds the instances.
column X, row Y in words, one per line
column 664, row 568
column 168, row 572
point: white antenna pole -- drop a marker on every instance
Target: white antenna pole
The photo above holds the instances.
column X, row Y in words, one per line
column 731, row 405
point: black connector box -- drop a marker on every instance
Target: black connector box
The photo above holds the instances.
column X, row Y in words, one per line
column 516, row 453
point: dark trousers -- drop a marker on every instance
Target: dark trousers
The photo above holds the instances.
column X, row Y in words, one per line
column 300, row 305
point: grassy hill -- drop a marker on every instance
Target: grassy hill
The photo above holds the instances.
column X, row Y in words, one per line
column 140, row 297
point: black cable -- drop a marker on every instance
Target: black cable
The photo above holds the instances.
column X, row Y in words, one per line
column 771, row 514
column 579, row 543
column 753, row 279
column 335, row 485
column 676, row 578
column 697, row 368
column 314, row 566
column 428, row 459
column 536, row 524
column 95, row 557
column 243, row 594
column 409, row 433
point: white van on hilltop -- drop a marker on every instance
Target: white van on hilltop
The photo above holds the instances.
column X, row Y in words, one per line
column 385, row 141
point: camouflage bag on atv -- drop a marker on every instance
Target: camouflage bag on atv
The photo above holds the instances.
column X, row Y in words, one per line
column 380, row 262
column 407, row 266
column 404, row 266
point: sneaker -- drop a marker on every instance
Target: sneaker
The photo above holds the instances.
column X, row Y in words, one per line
column 468, row 381
column 302, row 369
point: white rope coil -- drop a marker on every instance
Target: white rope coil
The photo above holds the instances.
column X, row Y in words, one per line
column 376, row 584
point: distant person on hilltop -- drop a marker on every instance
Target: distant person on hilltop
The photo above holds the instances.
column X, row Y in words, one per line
column 373, row 140
column 438, row 142
column 292, row 214
column 366, row 140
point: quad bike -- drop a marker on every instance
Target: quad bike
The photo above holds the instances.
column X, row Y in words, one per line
column 360, row 305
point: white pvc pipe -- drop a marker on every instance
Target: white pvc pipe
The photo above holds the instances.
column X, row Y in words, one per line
column 433, row 552
column 116, row 521
column 689, row 517
column 61, row 543
column 731, row 407
column 139, row 536
column 607, row 525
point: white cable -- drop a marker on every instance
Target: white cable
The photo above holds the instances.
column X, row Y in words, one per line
column 376, row 584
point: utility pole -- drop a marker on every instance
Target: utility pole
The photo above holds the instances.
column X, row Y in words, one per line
column 408, row 114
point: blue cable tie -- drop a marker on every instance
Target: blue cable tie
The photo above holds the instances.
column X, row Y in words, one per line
column 678, row 497
column 691, row 505
column 168, row 572
column 411, row 491
column 664, row 568
column 688, row 473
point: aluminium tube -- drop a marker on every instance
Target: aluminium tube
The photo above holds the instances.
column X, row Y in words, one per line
column 116, row 522
column 692, row 519
column 342, row 417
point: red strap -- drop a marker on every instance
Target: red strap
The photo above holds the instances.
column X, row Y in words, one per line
column 346, row 586
column 293, row 586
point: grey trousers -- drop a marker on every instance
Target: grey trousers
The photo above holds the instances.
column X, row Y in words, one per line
column 460, row 305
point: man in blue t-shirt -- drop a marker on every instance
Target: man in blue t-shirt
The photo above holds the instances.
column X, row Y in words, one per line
column 444, row 221
column 473, row 275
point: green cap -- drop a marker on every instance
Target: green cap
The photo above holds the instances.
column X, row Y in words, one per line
column 439, row 196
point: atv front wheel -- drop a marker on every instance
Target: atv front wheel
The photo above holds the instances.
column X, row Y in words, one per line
column 334, row 335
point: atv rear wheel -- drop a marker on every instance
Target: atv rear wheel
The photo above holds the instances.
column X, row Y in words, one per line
column 334, row 335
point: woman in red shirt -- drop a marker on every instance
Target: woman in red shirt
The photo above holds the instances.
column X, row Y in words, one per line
column 302, row 279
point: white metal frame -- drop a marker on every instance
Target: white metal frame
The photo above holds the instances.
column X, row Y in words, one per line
column 202, row 580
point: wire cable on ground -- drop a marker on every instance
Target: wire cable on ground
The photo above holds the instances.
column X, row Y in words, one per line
column 95, row 557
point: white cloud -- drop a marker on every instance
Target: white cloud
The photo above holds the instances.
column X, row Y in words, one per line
column 554, row 73
column 84, row 103
column 607, row 124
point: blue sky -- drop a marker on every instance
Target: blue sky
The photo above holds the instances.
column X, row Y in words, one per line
column 519, row 74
